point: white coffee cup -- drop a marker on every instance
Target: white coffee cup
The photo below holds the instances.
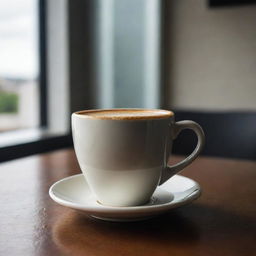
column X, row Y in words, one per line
column 123, row 153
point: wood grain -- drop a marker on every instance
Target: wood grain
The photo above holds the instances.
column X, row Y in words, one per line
column 221, row 222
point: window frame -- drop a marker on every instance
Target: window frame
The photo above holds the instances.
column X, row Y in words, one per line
column 42, row 61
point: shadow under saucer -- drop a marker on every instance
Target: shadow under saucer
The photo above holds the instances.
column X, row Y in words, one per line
column 77, row 234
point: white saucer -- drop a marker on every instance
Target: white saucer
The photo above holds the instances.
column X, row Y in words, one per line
column 74, row 192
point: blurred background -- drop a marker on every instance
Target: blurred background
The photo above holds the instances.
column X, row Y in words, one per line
column 19, row 56
column 196, row 57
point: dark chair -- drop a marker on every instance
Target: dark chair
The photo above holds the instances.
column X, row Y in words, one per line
column 228, row 134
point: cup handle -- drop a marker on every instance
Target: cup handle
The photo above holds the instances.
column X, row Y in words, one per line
column 169, row 171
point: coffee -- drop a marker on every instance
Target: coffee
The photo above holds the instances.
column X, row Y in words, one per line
column 126, row 114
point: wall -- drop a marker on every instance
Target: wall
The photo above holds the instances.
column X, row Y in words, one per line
column 211, row 57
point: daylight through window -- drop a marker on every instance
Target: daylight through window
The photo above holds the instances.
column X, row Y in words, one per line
column 19, row 72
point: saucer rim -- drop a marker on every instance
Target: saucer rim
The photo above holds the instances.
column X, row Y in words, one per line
column 194, row 194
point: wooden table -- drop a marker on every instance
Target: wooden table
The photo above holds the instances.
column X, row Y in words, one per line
column 221, row 222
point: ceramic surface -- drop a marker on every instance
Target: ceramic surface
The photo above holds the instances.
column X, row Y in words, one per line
column 74, row 192
column 125, row 160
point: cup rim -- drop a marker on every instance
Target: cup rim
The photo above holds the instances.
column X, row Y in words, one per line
column 160, row 114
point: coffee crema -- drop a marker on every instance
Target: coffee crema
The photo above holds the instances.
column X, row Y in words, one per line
column 125, row 114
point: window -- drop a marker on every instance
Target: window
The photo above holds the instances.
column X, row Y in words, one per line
column 19, row 65
column 34, row 75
